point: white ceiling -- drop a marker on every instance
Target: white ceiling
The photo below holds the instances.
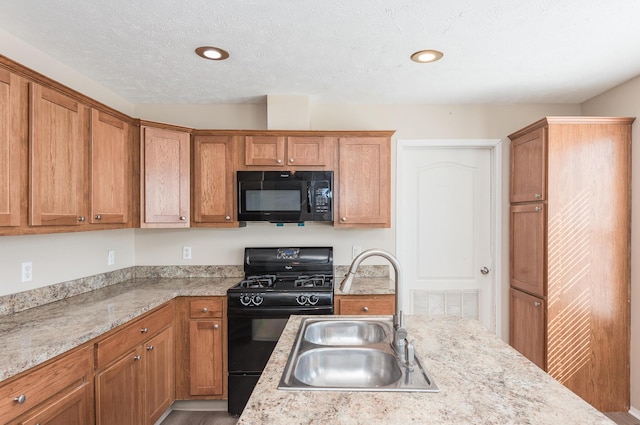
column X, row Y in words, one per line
column 339, row 51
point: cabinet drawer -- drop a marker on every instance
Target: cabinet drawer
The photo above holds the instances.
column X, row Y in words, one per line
column 34, row 388
column 128, row 336
column 205, row 308
column 364, row 305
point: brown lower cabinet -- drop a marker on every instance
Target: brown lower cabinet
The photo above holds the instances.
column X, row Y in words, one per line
column 365, row 304
column 135, row 379
column 60, row 392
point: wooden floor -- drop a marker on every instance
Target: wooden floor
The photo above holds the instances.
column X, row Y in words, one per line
column 181, row 417
column 623, row 418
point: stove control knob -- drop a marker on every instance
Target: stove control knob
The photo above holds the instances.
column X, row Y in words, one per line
column 257, row 300
column 302, row 299
column 245, row 300
column 313, row 299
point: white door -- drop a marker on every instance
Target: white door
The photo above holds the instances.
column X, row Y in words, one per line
column 446, row 229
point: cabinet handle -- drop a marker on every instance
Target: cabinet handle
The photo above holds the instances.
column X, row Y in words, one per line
column 278, row 161
column 81, row 219
column 538, row 209
column 216, row 326
column 150, row 348
column 344, row 219
column 144, row 330
column 204, row 309
column 537, row 303
column 136, row 358
column 365, row 309
column 99, row 217
column 291, row 160
column 183, row 218
column 227, row 218
column 537, row 195
column 20, row 399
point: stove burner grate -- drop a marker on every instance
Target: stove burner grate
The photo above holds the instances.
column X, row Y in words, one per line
column 259, row 281
column 309, row 281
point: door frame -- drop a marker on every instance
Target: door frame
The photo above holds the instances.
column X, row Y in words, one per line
column 496, row 154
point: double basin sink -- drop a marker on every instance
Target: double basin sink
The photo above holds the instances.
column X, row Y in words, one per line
column 351, row 355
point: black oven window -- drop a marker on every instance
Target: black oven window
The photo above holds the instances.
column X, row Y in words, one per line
column 267, row 329
column 273, row 200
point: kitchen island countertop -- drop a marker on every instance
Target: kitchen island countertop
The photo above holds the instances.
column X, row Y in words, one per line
column 482, row 380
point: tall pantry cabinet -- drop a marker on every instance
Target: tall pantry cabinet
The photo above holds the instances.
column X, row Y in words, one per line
column 569, row 265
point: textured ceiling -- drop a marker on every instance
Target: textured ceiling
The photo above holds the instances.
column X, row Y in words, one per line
column 339, row 51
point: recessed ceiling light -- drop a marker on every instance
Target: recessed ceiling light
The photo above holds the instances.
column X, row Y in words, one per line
column 212, row 53
column 425, row 56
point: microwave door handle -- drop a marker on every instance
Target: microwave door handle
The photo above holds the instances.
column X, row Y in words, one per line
column 309, row 198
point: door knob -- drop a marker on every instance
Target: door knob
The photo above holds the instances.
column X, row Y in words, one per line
column 484, row 270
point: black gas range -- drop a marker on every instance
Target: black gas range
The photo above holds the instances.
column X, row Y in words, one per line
column 278, row 282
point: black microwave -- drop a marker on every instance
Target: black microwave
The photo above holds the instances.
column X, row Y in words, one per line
column 285, row 196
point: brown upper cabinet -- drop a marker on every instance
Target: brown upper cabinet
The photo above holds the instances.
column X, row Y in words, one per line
column 287, row 151
column 363, row 182
column 11, row 165
column 59, row 129
column 213, row 181
column 528, row 156
column 110, row 167
column 164, row 177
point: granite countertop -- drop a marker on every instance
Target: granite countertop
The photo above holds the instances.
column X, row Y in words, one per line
column 34, row 336
column 367, row 286
column 482, row 380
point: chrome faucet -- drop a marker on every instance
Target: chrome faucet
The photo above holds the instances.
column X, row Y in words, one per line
column 400, row 333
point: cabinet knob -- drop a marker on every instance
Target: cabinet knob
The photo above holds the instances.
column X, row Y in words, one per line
column 537, row 195
column 291, row 160
column 216, row 326
column 150, row 348
column 99, row 217
column 144, row 330
column 538, row 209
column 183, row 218
column 537, row 303
column 136, row 358
column 20, row 399
column 365, row 309
column 81, row 219
column 227, row 218
column 278, row 161
column 204, row 309
column 344, row 219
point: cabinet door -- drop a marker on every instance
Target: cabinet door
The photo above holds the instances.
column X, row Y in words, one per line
column 366, row 304
column 73, row 408
column 119, row 391
column 528, row 248
column 59, row 128
column 213, row 179
column 307, row 150
column 264, row 150
column 10, row 145
column 205, row 363
column 165, row 178
column 159, row 367
column 527, row 326
column 529, row 167
column 110, row 169
column 364, row 181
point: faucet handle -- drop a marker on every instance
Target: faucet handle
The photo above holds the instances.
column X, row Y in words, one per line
column 410, row 354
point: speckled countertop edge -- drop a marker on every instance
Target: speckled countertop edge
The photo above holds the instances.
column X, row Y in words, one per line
column 482, row 380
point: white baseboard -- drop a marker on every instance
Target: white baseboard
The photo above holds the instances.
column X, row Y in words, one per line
column 634, row 412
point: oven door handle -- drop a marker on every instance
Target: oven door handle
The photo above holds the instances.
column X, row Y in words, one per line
column 267, row 312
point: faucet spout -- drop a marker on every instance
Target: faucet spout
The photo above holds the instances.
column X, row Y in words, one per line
column 345, row 285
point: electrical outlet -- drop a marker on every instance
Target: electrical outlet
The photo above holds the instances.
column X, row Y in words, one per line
column 355, row 251
column 111, row 258
column 27, row 271
column 186, row 253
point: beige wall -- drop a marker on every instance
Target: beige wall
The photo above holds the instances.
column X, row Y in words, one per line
column 624, row 100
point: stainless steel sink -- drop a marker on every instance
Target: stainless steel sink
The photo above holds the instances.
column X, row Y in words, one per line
column 347, row 368
column 345, row 332
column 346, row 354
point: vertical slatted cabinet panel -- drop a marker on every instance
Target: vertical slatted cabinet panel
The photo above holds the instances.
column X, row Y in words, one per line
column 59, row 127
column 10, row 142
